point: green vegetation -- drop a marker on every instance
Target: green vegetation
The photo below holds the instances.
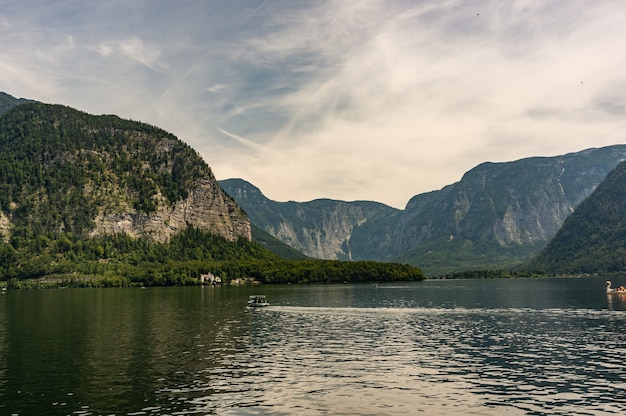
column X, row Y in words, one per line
column 7, row 102
column 275, row 245
column 593, row 238
column 66, row 260
column 445, row 256
column 489, row 274
column 59, row 167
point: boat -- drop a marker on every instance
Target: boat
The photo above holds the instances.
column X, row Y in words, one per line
column 614, row 291
column 257, row 301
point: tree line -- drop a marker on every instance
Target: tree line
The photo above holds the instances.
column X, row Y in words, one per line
column 65, row 259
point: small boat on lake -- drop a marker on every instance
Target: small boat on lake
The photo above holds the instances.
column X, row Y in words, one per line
column 257, row 301
column 617, row 291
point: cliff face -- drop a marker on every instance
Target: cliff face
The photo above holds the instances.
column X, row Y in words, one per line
column 206, row 207
column 497, row 215
column 591, row 240
column 62, row 170
column 321, row 228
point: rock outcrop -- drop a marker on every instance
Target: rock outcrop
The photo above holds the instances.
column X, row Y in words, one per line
column 206, row 208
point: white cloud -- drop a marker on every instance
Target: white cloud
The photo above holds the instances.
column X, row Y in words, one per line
column 104, row 49
column 373, row 99
column 135, row 49
column 242, row 140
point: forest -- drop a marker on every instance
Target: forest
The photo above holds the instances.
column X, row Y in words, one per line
column 64, row 260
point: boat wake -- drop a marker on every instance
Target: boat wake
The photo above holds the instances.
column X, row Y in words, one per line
column 442, row 311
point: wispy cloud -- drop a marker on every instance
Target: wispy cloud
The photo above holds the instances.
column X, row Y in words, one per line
column 375, row 99
column 241, row 140
column 135, row 49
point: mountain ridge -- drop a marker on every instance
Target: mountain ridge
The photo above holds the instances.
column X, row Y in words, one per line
column 497, row 216
column 118, row 175
column 593, row 238
column 319, row 228
column 7, row 102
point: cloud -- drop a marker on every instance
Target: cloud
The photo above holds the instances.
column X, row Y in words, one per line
column 373, row 99
column 389, row 95
column 5, row 24
column 241, row 140
column 135, row 49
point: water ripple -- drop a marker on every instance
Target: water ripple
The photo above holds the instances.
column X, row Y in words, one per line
column 392, row 361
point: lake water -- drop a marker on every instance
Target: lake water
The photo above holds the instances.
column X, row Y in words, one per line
column 466, row 347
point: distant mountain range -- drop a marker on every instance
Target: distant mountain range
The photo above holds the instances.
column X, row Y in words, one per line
column 320, row 229
column 498, row 215
column 69, row 180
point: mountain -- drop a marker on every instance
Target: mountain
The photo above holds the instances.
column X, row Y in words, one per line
column 497, row 216
column 593, row 238
column 322, row 228
column 100, row 201
column 62, row 170
column 275, row 245
column 7, row 102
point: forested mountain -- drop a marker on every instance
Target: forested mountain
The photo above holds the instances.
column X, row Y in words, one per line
column 97, row 200
column 497, row 216
column 62, row 170
column 593, row 238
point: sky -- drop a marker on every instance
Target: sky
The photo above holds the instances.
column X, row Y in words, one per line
column 375, row 100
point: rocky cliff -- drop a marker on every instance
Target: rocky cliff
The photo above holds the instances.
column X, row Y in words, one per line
column 321, row 228
column 497, row 216
column 206, row 208
column 592, row 239
column 62, row 170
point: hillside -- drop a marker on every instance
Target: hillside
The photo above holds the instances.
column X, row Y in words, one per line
column 322, row 228
column 593, row 238
column 497, row 216
column 62, row 170
column 7, row 102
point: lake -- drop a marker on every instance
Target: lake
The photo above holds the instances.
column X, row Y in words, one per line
column 552, row 346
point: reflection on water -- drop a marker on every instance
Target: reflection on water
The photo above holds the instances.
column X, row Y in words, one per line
column 616, row 301
column 433, row 361
column 466, row 347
